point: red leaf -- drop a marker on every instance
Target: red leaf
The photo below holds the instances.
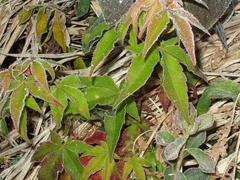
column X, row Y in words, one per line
column 163, row 98
column 96, row 138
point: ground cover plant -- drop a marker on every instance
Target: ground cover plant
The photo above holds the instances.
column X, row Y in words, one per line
column 159, row 38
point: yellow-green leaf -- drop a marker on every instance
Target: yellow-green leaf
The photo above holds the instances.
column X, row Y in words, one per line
column 48, row 68
column 42, row 22
column 23, row 126
column 24, row 15
column 31, row 103
column 39, row 74
column 59, row 29
column 17, row 103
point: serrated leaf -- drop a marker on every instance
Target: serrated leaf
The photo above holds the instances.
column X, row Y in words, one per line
column 23, row 126
column 180, row 55
column 196, row 173
column 82, row 7
column 42, row 22
column 48, row 68
column 24, row 15
column 135, row 164
column 39, row 74
column 206, row 163
column 72, row 164
column 31, row 103
column 220, row 89
column 157, row 25
column 164, row 138
column 17, row 103
column 59, row 29
column 78, row 99
column 172, row 150
column 56, row 110
column 51, row 165
column 3, row 127
column 36, row 90
column 44, row 149
column 174, row 84
column 104, row 47
column 113, row 126
column 139, row 72
column 196, row 140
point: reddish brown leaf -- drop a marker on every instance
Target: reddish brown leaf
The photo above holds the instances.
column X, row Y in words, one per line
column 164, row 100
column 96, row 138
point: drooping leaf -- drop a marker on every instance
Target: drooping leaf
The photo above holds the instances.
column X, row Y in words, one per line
column 104, row 47
column 17, row 103
column 174, row 84
column 56, row 110
column 113, row 126
column 164, row 138
column 155, row 28
column 206, row 163
column 31, row 103
column 82, row 7
column 3, row 127
column 59, row 30
column 139, row 72
column 38, row 91
column 39, row 74
column 24, row 15
column 220, row 89
column 42, row 22
column 23, row 126
column 135, row 164
column 72, row 164
column 172, row 150
column 78, row 99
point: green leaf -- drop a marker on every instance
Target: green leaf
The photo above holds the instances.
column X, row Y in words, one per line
column 205, row 121
column 172, row 150
column 3, row 127
column 39, row 74
column 220, row 89
column 51, row 165
column 132, row 109
column 59, row 29
column 82, row 7
column 56, row 138
column 45, row 149
column 77, row 147
column 157, row 25
column 104, row 47
column 78, row 99
column 94, row 32
column 164, row 138
column 31, row 103
column 75, row 81
column 57, row 111
column 196, row 174
column 135, row 164
column 180, row 176
column 133, row 43
column 23, row 126
column 139, row 72
column 17, row 103
column 206, row 163
column 103, row 91
column 123, row 27
column 42, row 22
column 113, row 126
column 72, row 164
column 180, row 55
column 196, row 140
column 174, row 84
